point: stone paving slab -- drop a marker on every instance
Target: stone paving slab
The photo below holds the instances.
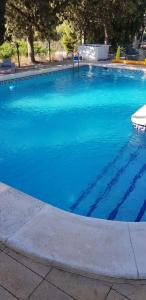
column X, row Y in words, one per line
column 78, row 286
column 19, row 281
column 16, row 209
column 138, row 238
column 78, row 243
column 132, row 291
column 46, row 291
column 113, row 295
column 5, row 295
column 38, row 268
column 16, row 278
column 2, row 246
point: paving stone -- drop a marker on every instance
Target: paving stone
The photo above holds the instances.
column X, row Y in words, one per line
column 48, row 292
column 133, row 292
column 16, row 278
column 138, row 237
column 4, row 295
column 2, row 246
column 16, row 209
column 112, row 280
column 113, row 295
column 34, row 266
column 79, row 287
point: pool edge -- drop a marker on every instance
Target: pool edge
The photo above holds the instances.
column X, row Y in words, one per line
column 30, row 73
column 87, row 246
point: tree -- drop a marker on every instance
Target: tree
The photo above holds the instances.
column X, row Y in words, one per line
column 26, row 17
column 69, row 37
column 2, row 20
column 121, row 19
column 108, row 21
column 81, row 14
column 91, row 21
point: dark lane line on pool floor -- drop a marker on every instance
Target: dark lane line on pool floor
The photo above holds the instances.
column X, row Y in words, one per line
column 114, row 212
column 114, row 180
column 91, row 186
column 141, row 212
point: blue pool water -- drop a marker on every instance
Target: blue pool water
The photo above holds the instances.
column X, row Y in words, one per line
column 67, row 139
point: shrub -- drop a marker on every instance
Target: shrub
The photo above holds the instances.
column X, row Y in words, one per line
column 22, row 48
column 39, row 49
column 6, row 50
column 118, row 54
column 69, row 37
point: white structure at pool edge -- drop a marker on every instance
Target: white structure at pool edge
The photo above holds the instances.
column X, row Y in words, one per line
column 94, row 52
column 139, row 118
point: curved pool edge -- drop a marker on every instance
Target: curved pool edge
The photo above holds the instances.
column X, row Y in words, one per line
column 87, row 246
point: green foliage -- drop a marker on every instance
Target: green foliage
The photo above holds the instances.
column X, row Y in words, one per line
column 113, row 21
column 90, row 21
column 22, row 48
column 6, row 51
column 39, row 49
column 69, row 37
column 118, row 53
column 25, row 18
column 127, row 20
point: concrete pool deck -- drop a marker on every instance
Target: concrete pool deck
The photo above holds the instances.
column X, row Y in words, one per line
column 46, row 253
column 57, row 67
column 87, row 246
column 92, row 248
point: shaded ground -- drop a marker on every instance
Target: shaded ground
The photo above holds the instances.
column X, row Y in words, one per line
column 38, row 66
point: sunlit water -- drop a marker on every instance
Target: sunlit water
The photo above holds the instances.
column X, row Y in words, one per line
column 67, row 139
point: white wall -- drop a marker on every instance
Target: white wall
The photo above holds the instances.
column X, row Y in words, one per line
column 94, row 52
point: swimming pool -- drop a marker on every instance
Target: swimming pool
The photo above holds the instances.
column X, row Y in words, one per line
column 67, row 139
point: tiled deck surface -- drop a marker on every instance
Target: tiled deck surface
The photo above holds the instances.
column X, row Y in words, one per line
column 22, row 278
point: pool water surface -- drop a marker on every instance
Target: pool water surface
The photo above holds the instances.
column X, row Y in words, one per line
column 66, row 138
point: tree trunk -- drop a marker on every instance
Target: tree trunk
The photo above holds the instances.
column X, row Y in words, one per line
column 81, row 37
column 141, row 34
column 2, row 20
column 106, row 40
column 85, row 35
column 50, row 58
column 30, row 47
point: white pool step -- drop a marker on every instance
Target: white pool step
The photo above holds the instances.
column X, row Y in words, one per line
column 139, row 118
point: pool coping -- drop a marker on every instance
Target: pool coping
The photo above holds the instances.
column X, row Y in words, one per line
column 88, row 246
column 30, row 73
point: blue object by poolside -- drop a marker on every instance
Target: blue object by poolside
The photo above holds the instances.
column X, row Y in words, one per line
column 7, row 63
column 77, row 58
